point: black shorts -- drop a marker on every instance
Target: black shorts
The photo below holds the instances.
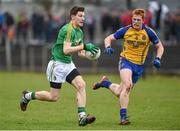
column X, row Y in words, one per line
column 70, row 77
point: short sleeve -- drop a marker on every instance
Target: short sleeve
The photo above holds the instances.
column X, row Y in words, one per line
column 120, row 33
column 152, row 35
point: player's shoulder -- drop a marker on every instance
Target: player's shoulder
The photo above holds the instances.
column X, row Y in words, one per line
column 121, row 32
column 124, row 28
column 148, row 29
column 128, row 26
column 151, row 34
column 66, row 27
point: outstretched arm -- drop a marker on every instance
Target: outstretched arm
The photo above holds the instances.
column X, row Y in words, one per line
column 160, row 50
column 107, row 43
column 159, row 53
column 108, row 40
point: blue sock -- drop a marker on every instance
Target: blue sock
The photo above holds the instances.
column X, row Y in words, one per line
column 123, row 113
column 106, row 83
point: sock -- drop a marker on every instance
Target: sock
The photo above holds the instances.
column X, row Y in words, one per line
column 30, row 96
column 106, row 83
column 123, row 113
column 33, row 96
column 81, row 111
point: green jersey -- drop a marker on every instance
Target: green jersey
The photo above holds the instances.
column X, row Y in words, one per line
column 70, row 34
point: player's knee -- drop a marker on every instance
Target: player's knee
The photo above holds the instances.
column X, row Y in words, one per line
column 81, row 85
column 127, row 85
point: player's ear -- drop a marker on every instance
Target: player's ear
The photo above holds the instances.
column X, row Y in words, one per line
column 72, row 17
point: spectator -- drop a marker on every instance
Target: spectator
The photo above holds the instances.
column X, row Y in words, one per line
column 105, row 21
column 22, row 27
column 158, row 16
column 116, row 22
column 148, row 18
column 8, row 28
column 48, row 27
column 91, row 25
column 126, row 18
column 168, row 26
column 37, row 25
column 153, row 7
column 177, row 24
column 1, row 25
column 1, row 19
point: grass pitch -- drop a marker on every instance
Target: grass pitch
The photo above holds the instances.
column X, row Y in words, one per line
column 154, row 105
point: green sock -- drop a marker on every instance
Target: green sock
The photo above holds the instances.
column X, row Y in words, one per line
column 81, row 111
column 33, row 95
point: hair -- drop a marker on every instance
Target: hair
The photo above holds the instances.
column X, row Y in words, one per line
column 139, row 11
column 75, row 10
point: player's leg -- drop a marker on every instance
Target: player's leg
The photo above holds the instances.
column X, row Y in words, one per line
column 27, row 96
column 106, row 83
column 122, row 91
column 126, row 85
column 51, row 96
column 129, row 73
column 80, row 85
column 77, row 81
column 54, row 72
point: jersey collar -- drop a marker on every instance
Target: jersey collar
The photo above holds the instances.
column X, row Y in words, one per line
column 143, row 26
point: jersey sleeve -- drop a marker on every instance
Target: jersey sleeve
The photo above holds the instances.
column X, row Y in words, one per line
column 120, row 33
column 68, row 33
column 152, row 36
column 82, row 37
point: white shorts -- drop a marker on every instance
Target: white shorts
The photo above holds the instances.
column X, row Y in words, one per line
column 57, row 71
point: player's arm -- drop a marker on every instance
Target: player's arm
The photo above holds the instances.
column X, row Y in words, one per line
column 156, row 41
column 159, row 53
column 82, row 54
column 117, row 35
column 107, row 43
column 108, row 40
column 160, row 50
column 68, row 49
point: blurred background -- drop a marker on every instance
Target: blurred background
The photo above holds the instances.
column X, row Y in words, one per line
column 28, row 29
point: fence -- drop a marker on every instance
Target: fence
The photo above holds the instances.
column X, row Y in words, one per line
column 35, row 58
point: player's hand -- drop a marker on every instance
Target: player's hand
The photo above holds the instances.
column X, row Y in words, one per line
column 157, row 62
column 109, row 50
column 91, row 47
column 94, row 50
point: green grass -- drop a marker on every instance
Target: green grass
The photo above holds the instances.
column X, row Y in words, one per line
column 154, row 104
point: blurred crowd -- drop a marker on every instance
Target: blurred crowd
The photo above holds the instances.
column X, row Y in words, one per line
column 39, row 28
column 42, row 27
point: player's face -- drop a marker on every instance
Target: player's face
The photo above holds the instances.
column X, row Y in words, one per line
column 137, row 21
column 79, row 19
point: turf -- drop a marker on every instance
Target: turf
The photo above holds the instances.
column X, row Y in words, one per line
column 154, row 104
